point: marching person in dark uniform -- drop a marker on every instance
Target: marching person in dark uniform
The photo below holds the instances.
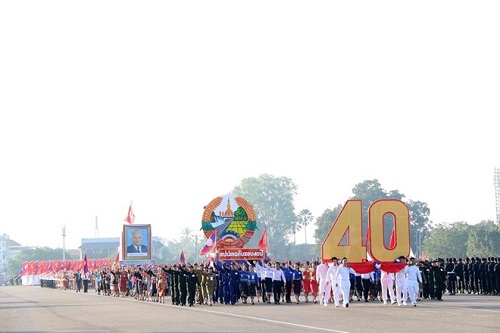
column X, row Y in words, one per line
column 234, row 283
column 253, row 281
column 459, row 270
column 138, row 283
column 288, row 285
column 174, row 274
column 244, row 284
column 496, row 269
column 219, row 291
column 439, row 278
column 78, row 279
column 297, row 281
column 183, row 284
column 490, row 275
column 432, row 280
column 451, row 276
column 476, row 275
column 86, row 280
column 482, row 276
column 224, row 297
column 425, row 268
column 192, row 284
column 467, row 271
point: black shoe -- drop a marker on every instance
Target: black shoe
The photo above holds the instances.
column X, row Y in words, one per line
column 347, row 305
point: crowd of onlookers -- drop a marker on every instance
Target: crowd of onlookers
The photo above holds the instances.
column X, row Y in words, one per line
column 252, row 282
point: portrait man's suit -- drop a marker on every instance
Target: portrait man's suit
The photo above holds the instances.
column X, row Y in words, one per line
column 139, row 249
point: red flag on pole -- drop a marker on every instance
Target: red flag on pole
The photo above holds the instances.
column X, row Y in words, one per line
column 182, row 258
column 263, row 240
column 116, row 263
column 392, row 242
column 85, row 264
column 130, row 215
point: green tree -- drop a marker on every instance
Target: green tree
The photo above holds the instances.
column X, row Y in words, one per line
column 323, row 225
column 447, row 241
column 370, row 191
column 304, row 218
column 420, row 225
column 484, row 240
column 272, row 199
column 35, row 254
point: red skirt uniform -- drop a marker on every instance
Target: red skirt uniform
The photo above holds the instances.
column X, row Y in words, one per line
column 314, row 283
column 306, row 283
column 123, row 283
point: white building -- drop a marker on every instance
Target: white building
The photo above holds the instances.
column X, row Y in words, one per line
column 9, row 249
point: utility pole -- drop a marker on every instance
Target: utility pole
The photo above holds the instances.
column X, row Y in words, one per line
column 96, row 231
column 64, row 241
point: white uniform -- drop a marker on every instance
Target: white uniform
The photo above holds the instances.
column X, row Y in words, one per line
column 321, row 278
column 387, row 282
column 331, row 282
column 413, row 277
column 401, row 290
column 342, row 279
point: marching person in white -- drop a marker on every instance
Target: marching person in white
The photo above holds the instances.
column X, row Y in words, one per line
column 322, row 280
column 401, row 290
column 331, row 283
column 387, row 282
column 413, row 278
column 267, row 277
column 341, row 278
column 278, row 278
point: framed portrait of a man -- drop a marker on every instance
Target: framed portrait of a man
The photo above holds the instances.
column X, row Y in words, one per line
column 136, row 242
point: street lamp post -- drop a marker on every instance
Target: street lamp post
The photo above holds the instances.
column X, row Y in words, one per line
column 64, row 242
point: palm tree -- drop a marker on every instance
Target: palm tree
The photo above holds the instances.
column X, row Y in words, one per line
column 296, row 226
column 186, row 236
column 304, row 218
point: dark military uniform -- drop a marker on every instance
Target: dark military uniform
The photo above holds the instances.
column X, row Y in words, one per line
column 425, row 268
column 451, row 276
column 459, row 270
column 174, row 281
column 476, row 275
column 192, row 282
column 439, row 278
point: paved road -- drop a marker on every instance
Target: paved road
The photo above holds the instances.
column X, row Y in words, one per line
column 35, row 309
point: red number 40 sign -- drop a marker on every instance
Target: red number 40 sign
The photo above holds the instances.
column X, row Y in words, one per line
column 349, row 224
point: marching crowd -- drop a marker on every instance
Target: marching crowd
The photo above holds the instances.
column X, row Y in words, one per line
column 286, row 282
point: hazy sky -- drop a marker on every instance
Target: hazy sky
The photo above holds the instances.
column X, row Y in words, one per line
column 172, row 103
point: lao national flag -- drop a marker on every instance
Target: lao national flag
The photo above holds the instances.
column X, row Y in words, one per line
column 210, row 244
column 182, row 258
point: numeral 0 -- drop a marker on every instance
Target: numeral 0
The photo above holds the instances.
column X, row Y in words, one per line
column 349, row 224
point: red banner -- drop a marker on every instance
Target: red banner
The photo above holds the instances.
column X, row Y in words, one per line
column 54, row 266
column 368, row 267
